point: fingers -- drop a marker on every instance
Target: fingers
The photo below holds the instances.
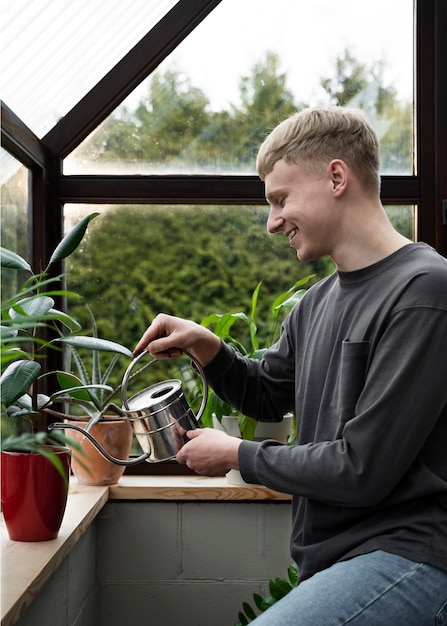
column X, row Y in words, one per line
column 195, row 432
column 152, row 339
column 210, row 452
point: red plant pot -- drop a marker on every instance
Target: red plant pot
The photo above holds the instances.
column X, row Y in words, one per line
column 34, row 494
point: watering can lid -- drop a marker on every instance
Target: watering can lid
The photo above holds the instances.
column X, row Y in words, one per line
column 156, row 396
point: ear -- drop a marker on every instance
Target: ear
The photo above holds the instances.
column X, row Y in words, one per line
column 339, row 175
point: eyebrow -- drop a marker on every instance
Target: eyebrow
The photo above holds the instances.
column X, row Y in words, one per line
column 275, row 194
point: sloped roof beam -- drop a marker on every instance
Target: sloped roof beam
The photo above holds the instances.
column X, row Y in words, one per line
column 143, row 59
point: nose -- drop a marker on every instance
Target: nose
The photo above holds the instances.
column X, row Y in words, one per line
column 274, row 221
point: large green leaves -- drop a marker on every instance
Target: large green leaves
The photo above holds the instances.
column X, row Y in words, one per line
column 17, row 379
column 35, row 307
column 94, row 343
column 13, row 261
column 74, row 391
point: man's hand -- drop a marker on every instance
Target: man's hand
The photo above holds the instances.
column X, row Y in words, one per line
column 167, row 336
column 210, row 452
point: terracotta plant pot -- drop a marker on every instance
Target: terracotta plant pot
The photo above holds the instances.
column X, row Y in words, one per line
column 91, row 468
column 34, row 494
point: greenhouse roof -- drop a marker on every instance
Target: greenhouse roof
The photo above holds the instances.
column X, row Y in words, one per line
column 52, row 52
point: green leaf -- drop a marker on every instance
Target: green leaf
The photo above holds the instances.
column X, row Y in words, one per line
column 258, row 600
column 80, row 366
column 37, row 306
column 243, row 621
column 70, row 381
column 65, row 319
column 292, row 572
column 17, row 379
column 247, row 426
column 279, row 587
column 267, row 603
column 248, row 611
column 214, row 405
column 72, row 240
column 258, row 354
column 8, row 333
column 223, row 323
column 93, row 343
column 26, row 401
column 81, row 392
column 291, row 296
column 14, row 412
column 254, row 300
column 13, row 261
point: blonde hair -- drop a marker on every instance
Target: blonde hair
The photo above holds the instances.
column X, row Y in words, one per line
column 315, row 136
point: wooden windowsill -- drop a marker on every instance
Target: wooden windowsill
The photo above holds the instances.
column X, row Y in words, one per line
column 183, row 488
column 27, row 566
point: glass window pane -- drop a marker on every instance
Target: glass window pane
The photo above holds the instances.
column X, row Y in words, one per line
column 210, row 104
column 191, row 261
column 15, row 199
column 52, row 52
column 403, row 218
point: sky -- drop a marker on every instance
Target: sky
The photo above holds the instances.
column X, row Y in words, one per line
column 306, row 34
column 77, row 41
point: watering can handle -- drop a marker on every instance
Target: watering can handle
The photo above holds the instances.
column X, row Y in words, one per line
column 137, row 359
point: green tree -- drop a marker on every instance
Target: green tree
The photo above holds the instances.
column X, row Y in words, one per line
column 362, row 86
column 169, row 119
column 163, row 124
column 139, row 261
column 235, row 135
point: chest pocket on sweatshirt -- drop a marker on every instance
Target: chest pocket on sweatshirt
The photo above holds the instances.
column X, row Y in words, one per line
column 351, row 378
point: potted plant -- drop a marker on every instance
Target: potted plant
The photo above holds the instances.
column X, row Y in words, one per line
column 219, row 414
column 248, row 344
column 35, row 465
column 94, row 408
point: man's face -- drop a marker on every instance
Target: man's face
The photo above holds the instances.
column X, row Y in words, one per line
column 300, row 207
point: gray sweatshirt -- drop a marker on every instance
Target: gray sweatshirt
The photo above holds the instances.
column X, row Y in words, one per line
column 362, row 360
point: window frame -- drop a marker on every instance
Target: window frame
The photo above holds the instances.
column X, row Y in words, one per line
column 51, row 189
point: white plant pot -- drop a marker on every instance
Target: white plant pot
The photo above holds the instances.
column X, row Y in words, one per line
column 234, row 477
column 279, row 431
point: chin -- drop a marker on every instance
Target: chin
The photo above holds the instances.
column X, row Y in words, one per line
column 306, row 257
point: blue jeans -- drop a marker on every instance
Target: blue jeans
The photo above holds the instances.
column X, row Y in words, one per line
column 376, row 589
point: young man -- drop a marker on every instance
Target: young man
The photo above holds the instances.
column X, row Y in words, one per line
column 362, row 360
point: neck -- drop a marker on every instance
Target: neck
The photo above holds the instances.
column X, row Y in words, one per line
column 367, row 241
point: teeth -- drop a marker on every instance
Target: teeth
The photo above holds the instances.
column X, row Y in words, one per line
column 292, row 233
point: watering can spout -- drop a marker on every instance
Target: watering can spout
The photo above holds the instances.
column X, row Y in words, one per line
column 105, row 454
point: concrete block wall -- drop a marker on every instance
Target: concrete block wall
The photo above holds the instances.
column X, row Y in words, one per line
column 188, row 564
column 69, row 598
column 166, row 564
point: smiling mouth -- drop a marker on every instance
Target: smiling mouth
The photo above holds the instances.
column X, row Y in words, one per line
column 291, row 235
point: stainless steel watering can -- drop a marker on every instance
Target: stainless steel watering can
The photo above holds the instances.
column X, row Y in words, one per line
column 160, row 416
